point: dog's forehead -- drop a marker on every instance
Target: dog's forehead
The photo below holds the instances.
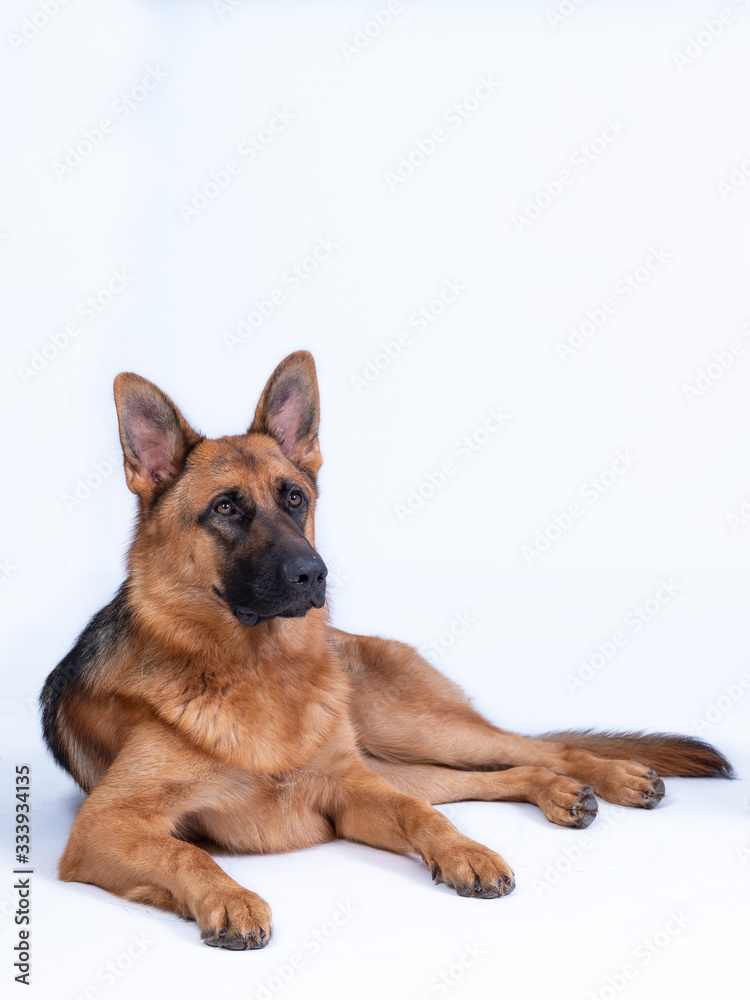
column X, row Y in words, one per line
column 248, row 458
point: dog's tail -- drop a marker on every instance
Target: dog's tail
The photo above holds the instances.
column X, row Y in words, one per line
column 675, row 756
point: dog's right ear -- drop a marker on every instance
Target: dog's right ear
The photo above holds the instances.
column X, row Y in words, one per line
column 155, row 437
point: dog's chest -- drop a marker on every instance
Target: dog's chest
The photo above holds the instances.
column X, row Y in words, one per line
column 267, row 724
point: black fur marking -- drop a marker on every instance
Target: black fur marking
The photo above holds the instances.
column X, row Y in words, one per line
column 101, row 635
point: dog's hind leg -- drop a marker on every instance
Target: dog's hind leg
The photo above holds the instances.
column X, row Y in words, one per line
column 563, row 800
column 405, row 710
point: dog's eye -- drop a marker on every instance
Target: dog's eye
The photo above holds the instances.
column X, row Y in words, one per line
column 294, row 499
column 224, row 507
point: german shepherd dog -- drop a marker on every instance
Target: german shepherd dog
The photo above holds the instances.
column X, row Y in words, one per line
column 212, row 700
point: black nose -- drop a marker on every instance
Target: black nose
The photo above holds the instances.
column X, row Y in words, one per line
column 305, row 572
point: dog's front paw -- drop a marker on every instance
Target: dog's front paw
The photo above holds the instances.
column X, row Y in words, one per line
column 237, row 921
column 475, row 871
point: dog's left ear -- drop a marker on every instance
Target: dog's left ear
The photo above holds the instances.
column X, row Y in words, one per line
column 289, row 410
column 154, row 434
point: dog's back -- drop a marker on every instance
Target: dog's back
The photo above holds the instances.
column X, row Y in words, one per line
column 67, row 725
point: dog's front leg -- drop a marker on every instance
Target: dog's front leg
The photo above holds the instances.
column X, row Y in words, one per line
column 371, row 811
column 125, row 840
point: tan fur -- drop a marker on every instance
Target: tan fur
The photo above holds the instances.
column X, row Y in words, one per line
column 286, row 734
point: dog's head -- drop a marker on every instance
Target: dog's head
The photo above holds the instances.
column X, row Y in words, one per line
column 230, row 520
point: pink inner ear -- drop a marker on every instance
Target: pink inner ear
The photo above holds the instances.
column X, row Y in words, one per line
column 154, row 448
column 286, row 424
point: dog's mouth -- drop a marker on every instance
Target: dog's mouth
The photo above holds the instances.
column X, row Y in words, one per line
column 246, row 616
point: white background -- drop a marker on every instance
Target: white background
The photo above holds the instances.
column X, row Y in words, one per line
column 324, row 176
